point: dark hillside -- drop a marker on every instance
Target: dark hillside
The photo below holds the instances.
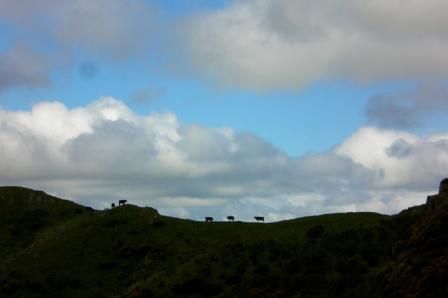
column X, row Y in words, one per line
column 25, row 212
column 135, row 252
column 420, row 268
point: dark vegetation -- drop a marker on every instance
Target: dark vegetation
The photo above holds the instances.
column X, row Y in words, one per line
column 55, row 248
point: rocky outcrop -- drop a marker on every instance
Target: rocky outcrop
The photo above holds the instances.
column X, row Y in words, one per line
column 443, row 188
column 421, row 267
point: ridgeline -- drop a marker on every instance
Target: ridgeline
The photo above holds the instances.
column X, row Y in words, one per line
column 51, row 247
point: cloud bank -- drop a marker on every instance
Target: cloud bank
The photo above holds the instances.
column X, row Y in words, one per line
column 259, row 44
column 267, row 44
column 104, row 152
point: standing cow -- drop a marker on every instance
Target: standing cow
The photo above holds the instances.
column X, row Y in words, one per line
column 259, row 218
column 231, row 218
column 122, row 202
column 209, row 219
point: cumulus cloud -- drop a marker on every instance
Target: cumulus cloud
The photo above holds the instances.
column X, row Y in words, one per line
column 400, row 148
column 267, row 44
column 400, row 160
column 103, row 152
column 409, row 109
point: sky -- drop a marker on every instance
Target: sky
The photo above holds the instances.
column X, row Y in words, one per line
column 198, row 108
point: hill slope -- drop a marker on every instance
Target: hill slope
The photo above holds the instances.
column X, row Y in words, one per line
column 135, row 252
column 25, row 212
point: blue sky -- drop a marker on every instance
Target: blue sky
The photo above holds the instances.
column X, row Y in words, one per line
column 306, row 89
column 296, row 120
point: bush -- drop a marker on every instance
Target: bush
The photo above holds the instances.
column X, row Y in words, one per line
column 315, row 232
column 197, row 287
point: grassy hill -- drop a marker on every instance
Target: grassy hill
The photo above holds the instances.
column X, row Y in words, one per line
column 55, row 248
column 25, row 212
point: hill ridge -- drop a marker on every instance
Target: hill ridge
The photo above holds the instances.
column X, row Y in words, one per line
column 65, row 250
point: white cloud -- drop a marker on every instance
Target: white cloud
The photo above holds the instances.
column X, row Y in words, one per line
column 267, row 44
column 104, row 152
column 380, row 150
column 188, row 202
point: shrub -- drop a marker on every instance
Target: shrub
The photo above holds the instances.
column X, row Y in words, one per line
column 315, row 232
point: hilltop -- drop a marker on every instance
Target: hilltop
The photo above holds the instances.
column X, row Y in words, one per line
column 55, row 248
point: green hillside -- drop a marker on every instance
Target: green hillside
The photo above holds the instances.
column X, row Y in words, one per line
column 55, row 248
column 25, row 212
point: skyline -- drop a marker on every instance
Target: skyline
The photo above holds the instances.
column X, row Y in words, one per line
column 278, row 108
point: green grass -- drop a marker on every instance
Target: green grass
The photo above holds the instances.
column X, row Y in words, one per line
column 135, row 252
column 24, row 213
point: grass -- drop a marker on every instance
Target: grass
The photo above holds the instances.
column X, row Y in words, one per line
column 64, row 250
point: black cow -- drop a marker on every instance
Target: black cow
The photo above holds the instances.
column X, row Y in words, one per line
column 121, row 202
column 259, row 218
column 112, row 205
column 231, row 218
column 209, row 219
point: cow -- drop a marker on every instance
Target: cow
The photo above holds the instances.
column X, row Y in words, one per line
column 209, row 219
column 259, row 218
column 121, row 202
column 231, row 218
column 112, row 205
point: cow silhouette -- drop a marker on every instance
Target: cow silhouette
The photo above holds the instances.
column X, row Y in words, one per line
column 209, row 219
column 231, row 218
column 259, row 218
column 112, row 205
column 121, row 202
